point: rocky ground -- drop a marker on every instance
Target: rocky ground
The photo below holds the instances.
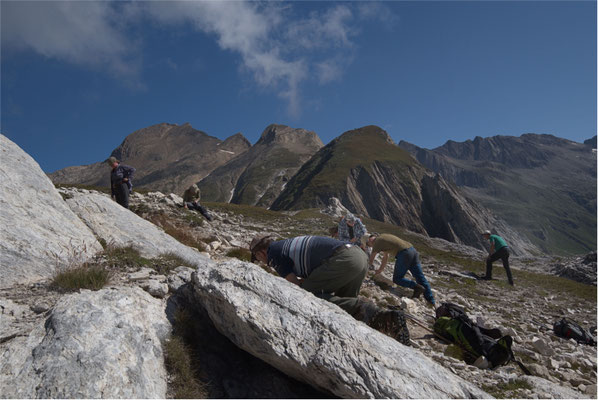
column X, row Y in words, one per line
column 525, row 311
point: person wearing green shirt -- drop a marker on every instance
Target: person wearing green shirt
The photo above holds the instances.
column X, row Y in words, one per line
column 407, row 259
column 498, row 250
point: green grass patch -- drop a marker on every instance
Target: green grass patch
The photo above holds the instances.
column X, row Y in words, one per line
column 125, row 256
column 85, row 276
column 240, row 253
column 167, row 262
column 505, row 390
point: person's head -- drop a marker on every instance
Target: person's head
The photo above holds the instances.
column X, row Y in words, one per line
column 259, row 248
column 486, row 234
column 333, row 231
column 350, row 218
column 368, row 240
column 113, row 162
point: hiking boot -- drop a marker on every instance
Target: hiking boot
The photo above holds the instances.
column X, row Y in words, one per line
column 511, row 283
column 485, row 278
column 392, row 323
column 417, row 291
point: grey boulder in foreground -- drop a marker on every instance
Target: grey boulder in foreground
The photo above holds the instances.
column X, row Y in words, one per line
column 315, row 341
column 104, row 344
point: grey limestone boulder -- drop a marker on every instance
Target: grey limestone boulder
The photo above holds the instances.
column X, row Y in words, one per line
column 38, row 232
column 315, row 341
column 121, row 227
column 103, row 344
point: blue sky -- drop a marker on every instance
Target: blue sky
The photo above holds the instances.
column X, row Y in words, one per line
column 78, row 77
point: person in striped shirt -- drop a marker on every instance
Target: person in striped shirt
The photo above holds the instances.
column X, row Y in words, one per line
column 332, row 270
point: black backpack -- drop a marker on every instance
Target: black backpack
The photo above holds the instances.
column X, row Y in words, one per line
column 568, row 329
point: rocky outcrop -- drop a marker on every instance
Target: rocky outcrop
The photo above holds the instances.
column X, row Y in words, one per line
column 167, row 157
column 257, row 176
column 104, row 344
column 315, row 341
column 120, row 227
column 38, row 232
column 580, row 269
column 541, row 185
column 373, row 177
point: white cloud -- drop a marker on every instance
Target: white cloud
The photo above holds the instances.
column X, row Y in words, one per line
column 83, row 33
column 279, row 48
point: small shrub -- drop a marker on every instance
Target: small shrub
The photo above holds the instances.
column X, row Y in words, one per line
column 240, row 253
column 85, row 276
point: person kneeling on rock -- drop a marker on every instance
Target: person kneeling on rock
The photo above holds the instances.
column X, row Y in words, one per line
column 191, row 201
column 332, row 270
column 407, row 259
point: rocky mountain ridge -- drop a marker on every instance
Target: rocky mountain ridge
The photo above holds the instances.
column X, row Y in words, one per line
column 257, row 176
column 167, row 157
column 541, row 185
column 373, row 177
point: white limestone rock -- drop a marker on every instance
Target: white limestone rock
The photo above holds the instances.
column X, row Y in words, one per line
column 38, row 231
column 156, row 288
column 121, row 227
column 315, row 341
column 546, row 389
column 103, row 344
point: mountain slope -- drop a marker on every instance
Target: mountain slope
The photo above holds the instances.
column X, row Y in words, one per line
column 257, row 176
column 167, row 157
column 544, row 186
column 374, row 177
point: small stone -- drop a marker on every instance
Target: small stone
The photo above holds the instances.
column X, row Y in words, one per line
column 40, row 308
column 156, row 288
column 582, row 388
column 542, row 347
column 143, row 273
column 591, row 390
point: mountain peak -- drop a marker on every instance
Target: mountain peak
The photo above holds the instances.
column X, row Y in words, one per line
column 365, row 131
column 284, row 134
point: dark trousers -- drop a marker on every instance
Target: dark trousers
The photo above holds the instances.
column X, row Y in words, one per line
column 503, row 254
column 122, row 194
column 195, row 205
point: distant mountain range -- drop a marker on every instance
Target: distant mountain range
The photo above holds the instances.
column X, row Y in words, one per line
column 542, row 186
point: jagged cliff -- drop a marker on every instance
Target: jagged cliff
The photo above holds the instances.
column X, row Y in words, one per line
column 543, row 186
column 257, row 176
column 374, row 177
column 167, row 157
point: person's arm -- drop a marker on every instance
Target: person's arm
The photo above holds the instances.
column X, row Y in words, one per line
column 293, row 279
column 382, row 263
column 491, row 247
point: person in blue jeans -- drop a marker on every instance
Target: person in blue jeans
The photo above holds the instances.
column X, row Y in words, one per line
column 407, row 259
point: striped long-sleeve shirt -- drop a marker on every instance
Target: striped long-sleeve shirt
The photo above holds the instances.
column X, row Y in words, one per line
column 300, row 255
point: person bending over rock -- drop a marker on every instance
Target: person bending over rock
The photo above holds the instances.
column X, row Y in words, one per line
column 191, row 201
column 121, row 183
column 407, row 259
column 498, row 249
column 332, row 270
column 351, row 229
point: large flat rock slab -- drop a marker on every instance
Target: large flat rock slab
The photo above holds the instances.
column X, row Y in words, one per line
column 315, row 341
column 38, row 231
